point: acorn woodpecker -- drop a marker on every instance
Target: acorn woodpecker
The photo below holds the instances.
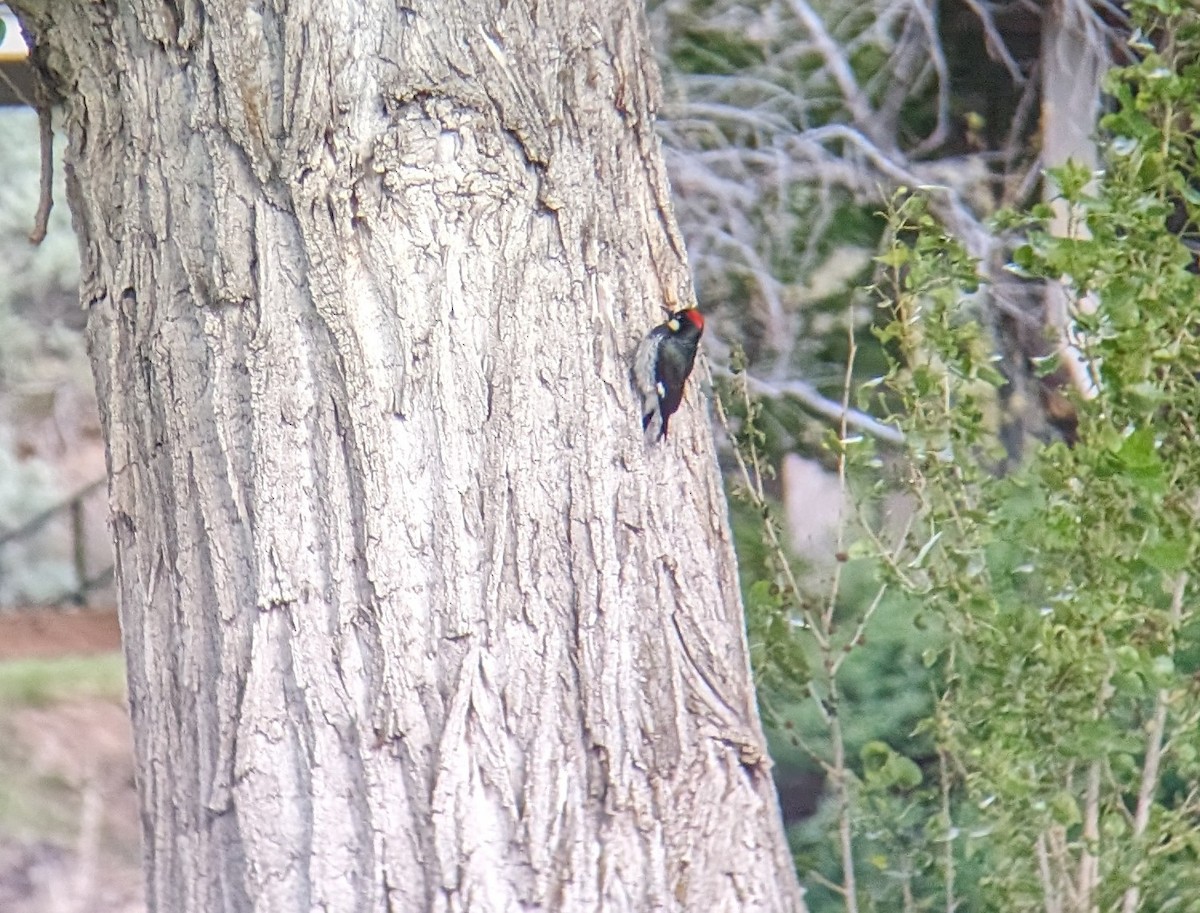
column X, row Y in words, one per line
column 662, row 365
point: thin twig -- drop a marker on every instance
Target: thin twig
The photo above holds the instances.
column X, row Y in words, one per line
column 995, row 41
column 1067, row 889
column 831, row 662
column 906, row 893
column 754, row 489
column 937, row 57
column 1088, row 878
column 1089, row 862
column 860, row 628
column 828, row 885
column 1154, row 749
column 16, row 90
column 1050, row 898
column 948, row 856
column 41, row 219
column 837, row 65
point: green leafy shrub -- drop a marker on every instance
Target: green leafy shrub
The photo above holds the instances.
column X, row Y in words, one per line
column 1068, row 704
column 1053, row 602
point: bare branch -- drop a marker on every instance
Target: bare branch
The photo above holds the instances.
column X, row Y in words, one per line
column 1154, row 752
column 839, row 68
column 41, row 219
column 809, row 397
column 937, row 57
column 766, row 158
column 995, row 41
column 1050, row 892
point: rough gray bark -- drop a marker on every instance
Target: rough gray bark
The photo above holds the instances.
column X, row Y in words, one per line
column 414, row 619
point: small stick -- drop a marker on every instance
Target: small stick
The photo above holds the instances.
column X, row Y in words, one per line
column 41, row 219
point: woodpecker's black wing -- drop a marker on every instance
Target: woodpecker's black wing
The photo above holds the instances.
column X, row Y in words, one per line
column 674, row 365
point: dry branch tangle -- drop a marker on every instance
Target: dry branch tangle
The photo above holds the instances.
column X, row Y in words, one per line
column 414, row 621
column 765, row 158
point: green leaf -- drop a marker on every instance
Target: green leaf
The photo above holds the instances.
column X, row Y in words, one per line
column 1023, row 257
column 925, row 549
column 1162, row 670
column 896, row 257
column 874, row 756
column 886, row 768
column 903, row 772
column 1046, row 365
column 1071, row 178
column 1140, row 460
column 1187, row 650
column 1169, row 555
column 1065, row 810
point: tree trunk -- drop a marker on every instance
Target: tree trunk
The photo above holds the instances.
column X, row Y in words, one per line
column 414, row 618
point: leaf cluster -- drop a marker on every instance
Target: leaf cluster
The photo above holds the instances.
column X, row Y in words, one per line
column 1068, row 698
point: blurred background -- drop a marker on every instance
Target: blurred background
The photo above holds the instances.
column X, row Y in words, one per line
column 787, row 125
column 69, row 837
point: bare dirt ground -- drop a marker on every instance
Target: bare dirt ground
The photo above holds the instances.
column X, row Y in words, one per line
column 69, row 834
column 58, row 633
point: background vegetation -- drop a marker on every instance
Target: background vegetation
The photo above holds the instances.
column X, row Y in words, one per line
column 1029, row 599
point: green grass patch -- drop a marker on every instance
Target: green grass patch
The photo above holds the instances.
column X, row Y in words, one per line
column 39, row 682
